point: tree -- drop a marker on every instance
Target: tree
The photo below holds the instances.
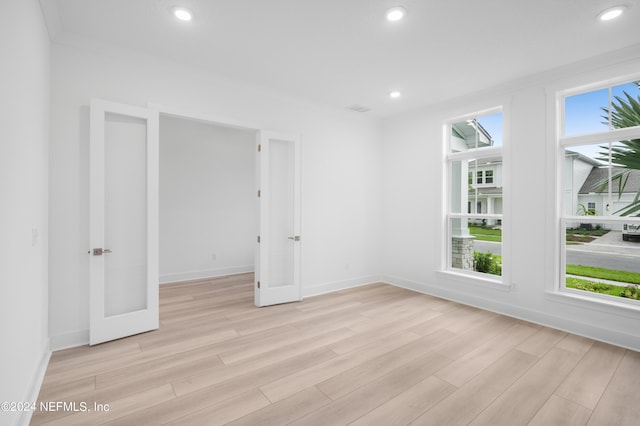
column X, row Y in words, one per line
column 625, row 112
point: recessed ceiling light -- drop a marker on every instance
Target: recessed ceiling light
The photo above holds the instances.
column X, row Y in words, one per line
column 611, row 13
column 182, row 13
column 395, row 94
column 395, row 13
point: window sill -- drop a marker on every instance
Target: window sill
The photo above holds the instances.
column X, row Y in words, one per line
column 586, row 301
column 475, row 279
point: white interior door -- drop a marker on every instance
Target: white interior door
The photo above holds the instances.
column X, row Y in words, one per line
column 123, row 221
column 278, row 246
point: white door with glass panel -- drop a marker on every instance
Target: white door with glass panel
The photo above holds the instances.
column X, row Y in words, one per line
column 123, row 221
column 278, row 246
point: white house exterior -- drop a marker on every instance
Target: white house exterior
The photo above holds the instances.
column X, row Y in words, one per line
column 577, row 168
column 485, row 186
column 593, row 199
column 583, row 178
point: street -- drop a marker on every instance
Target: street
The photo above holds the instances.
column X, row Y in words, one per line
column 616, row 261
column 609, row 253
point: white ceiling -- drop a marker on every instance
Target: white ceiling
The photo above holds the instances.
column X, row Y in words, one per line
column 343, row 52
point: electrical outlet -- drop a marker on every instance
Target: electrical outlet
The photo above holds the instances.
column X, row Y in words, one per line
column 214, row 257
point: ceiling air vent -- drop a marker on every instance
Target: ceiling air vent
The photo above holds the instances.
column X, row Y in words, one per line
column 358, row 108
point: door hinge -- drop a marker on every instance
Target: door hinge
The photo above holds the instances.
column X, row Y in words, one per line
column 259, row 147
column 258, row 193
column 258, row 238
column 258, row 284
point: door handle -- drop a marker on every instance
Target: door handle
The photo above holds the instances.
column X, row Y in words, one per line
column 100, row 251
column 296, row 238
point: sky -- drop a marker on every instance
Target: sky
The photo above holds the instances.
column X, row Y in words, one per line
column 584, row 114
column 493, row 124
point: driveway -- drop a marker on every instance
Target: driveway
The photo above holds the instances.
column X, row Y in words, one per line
column 610, row 243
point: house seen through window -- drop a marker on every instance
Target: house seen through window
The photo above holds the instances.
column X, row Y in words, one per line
column 600, row 184
column 475, row 205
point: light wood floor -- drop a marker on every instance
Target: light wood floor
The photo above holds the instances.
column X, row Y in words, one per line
column 374, row 355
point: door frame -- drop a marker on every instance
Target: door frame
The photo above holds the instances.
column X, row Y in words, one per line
column 259, row 129
column 97, row 236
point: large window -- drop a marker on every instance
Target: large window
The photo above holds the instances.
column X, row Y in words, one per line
column 475, row 198
column 599, row 141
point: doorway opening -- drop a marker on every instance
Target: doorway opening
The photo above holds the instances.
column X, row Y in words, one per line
column 217, row 200
column 207, row 200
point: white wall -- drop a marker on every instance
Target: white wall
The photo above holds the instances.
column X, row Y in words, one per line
column 208, row 217
column 24, row 147
column 341, row 179
column 413, row 212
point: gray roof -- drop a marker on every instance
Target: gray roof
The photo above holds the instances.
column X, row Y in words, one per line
column 599, row 175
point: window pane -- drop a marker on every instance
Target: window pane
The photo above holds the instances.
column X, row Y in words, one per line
column 595, row 183
column 478, row 133
column 584, row 113
column 589, row 112
column 603, row 257
column 476, row 245
column 625, row 107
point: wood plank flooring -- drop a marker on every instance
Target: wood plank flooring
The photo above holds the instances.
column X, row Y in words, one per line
column 373, row 355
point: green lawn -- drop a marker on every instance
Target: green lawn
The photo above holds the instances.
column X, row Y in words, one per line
column 605, row 274
column 586, row 285
column 486, row 234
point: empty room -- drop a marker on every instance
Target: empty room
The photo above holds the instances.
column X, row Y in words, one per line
column 365, row 212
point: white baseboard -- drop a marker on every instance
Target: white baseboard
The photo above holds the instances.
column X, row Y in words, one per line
column 36, row 383
column 203, row 274
column 69, row 340
column 546, row 319
column 339, row 285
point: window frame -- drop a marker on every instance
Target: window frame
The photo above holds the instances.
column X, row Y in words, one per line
column 500, row 282
column 558, row 290
column 488, row 174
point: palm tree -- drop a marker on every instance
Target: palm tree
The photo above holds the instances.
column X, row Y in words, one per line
column 625, row 112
